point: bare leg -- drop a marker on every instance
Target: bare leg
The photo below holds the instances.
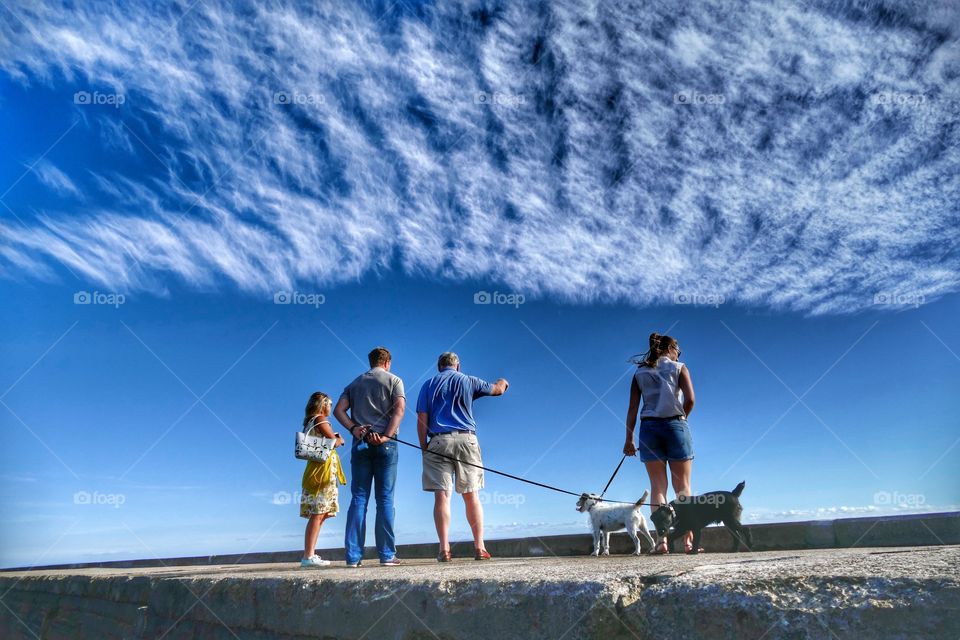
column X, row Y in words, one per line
column 441, row 518
column 680, row 472
column 475, row 518
column 312, row 533
column 695, row 546
column 657, row 471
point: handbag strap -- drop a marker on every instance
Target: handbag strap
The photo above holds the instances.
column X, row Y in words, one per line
column 314, row 423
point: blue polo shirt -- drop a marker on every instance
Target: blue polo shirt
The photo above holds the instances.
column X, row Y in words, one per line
column 448, row 399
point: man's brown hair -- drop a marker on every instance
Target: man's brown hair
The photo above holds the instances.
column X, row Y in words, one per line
column 379, row 357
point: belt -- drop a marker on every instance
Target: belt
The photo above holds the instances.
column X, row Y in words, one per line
column 676, row 417
column 452, row 433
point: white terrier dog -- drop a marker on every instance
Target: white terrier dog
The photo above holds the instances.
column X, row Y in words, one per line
column 607, row 517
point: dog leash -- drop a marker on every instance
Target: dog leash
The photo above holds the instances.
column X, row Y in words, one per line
column 513, row 477
column 615, row 472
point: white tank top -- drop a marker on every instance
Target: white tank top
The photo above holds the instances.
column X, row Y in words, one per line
column 659, row 388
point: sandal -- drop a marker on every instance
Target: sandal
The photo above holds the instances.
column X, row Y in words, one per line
column 445, row 556
column 689, row 549
column 481, row 554
column 661, row 549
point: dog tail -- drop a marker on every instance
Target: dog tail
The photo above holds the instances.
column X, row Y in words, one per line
column 643, row 498
column 739, row 488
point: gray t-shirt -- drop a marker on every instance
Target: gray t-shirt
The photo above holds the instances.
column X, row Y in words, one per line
column 371, row 396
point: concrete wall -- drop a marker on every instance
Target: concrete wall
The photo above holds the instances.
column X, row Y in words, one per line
column 836, row 594
column 886, row 531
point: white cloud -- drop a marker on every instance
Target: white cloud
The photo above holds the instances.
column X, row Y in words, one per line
column 52, row 177
column 830, row 513
column 819, row 170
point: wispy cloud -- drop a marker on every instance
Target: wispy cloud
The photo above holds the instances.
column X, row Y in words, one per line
column 798, row 155
column 55, row 179
column 843, row 511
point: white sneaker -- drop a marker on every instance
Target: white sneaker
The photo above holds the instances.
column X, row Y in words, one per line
column 314, row 562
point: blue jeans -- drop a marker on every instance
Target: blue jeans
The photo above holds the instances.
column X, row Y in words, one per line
column 375, row 465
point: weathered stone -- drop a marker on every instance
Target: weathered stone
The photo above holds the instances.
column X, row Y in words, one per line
column 830, row 593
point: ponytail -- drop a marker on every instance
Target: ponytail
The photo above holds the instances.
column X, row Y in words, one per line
column 659, row 345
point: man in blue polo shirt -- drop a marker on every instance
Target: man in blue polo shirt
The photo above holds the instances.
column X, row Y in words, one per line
column 446, row 427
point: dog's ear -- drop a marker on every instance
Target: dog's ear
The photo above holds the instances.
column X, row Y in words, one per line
column 739, row 488
column 643, row 498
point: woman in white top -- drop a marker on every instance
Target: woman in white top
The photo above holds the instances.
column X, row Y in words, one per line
column 665, row 386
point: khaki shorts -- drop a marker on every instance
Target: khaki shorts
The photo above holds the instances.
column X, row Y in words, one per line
column 439, row 473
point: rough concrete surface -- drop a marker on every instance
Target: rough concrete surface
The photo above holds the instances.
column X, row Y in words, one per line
column 908, row 592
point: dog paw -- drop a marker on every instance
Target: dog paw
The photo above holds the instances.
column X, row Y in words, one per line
column 606, row 553
column 595, row 554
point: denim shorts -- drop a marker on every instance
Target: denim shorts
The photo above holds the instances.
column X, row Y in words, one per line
column 665, row 439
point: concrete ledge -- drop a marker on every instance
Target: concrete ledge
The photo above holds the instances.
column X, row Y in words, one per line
column 885, row 531
column 822, row 593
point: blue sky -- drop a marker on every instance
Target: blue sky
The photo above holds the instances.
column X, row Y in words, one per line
column 777, row 186
column 107, row 399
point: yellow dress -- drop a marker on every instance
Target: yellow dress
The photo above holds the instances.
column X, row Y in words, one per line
column 320, row 487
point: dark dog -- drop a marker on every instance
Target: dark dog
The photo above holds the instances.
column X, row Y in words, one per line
column 693, row 513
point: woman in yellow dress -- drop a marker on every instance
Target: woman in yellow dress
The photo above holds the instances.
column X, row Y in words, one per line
column 318, row 500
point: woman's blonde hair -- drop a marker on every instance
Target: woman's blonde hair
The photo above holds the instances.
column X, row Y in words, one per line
column 659, row 345
column 318, row 403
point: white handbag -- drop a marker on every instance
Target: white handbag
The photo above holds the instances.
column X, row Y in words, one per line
column 310, row 447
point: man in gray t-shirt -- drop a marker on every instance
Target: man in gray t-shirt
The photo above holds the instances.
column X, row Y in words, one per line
column 371, row 397
column 375, row 400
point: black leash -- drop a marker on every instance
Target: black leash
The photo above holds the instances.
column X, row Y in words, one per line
column 513, row 477
column 615, row 472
